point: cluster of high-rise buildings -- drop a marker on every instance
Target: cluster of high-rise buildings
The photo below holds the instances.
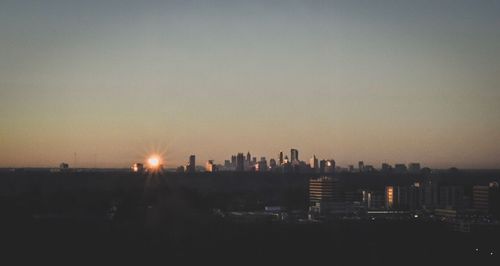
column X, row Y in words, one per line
column 329, row 196
column 242, row 162
column 291, row 163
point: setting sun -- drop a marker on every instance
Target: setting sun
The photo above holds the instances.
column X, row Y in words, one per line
column 154, row 161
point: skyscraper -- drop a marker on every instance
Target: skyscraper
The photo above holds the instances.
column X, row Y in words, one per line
column 262, row 164
column 192, row 164
column 324, row 194
column 280, row 160
column 240, row 162
column 294, row 155
column 249, row 157
column 272, row 164
column 314, row 163
column 322, row 165
column 329, row 167
column 233, row 161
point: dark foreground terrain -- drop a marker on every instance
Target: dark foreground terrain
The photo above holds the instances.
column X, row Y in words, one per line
column 124, row 218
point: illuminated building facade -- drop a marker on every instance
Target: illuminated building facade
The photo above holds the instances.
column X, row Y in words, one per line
column 325, row 193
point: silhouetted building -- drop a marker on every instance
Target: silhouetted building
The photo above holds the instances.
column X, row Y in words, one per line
column 249, row 157
column 480, row 198
column 451, row 197
column 386, row 168
column 233, row 161
column 272, row 164
column 280, row 160
column 322, row 165
column 400, row 168
column 240, row 162
column 294, row 155
column 262, row 165
column 369, row 168
column 366, row 199
column 494, row 200
column 329, row 167
column 191, row 167
column 431, row 192
column 64, row 166
column 415, row 196
column 414, row 168
column 361, row 166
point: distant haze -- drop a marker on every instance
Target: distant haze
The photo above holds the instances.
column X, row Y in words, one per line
column 378, row 81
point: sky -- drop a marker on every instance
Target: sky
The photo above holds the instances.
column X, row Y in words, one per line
column 378, row 81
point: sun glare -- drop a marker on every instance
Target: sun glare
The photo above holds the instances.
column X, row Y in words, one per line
column 154, row 161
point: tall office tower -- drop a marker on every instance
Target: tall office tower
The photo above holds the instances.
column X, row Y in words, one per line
column 361, row 166
column 240, row 162
column 322, row 165
column 430, row 193
column 396, row 197
column 314, row 163
column 389, row 197
column 192, row 164
column 451, row 197
column 414, row 168
column 210, row 166
column 233, row 160
column 294, row 155
column 249, row 157
column 254, row 160
column 281, row 158
column 367, row 199
column 480, row 198
column 415, row 196
column 486, row 199
column 272, row 164
column 329, row 167
column 324, row 194
column 262, row 165
column 494, row 199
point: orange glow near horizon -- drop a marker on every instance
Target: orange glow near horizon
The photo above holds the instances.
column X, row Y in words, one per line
column 154, row 161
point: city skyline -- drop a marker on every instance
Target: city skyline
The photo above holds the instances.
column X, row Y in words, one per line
column 115, row 81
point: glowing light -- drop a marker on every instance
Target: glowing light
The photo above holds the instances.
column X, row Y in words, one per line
column 154, row 161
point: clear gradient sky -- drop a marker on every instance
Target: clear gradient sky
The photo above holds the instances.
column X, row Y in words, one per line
column 379, row 81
